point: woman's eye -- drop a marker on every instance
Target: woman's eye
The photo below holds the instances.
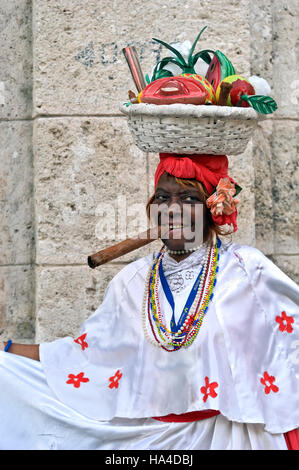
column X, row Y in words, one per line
column 190, row 198
column 160, row 197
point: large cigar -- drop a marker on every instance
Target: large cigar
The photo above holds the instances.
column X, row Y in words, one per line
column 126, row 246
column 134, row 66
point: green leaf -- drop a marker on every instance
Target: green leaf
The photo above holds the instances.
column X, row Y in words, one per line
column 168, row 60
column 262, row 104
column 238, row 189
column 159, row 66
column 163, row 74
column 204, row 55
column 147, row 79
column 172, row 49
column 193, row 47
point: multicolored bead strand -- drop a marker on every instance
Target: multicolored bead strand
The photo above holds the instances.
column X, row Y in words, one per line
column 165, row 338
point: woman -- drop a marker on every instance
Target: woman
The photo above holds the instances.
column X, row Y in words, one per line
column 192, row 347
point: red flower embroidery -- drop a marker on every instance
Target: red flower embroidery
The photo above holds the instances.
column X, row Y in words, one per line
column 285, row 322
column 77, row 379
column 267, row 381
column 115, row 379
column 209, row 389
column 81, row 341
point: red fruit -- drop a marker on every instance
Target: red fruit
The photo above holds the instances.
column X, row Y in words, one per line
column 239, row 88
column 171, row 90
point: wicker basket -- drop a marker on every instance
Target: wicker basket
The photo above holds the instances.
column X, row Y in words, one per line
column 190, row 129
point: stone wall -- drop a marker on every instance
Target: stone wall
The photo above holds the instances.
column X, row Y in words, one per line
column 17, row 261
column 66, row 150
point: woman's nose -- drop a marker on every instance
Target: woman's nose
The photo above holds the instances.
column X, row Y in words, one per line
column 174, row 209
column 174, row 201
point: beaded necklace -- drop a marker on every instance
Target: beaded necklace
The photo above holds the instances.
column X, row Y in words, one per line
column 192, row 316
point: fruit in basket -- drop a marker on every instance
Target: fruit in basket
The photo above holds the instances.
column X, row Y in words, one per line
column 211, row 97
column 240, row 86
column 220, row 68
column 242, row 94
column 171, row 90
column 220, row 81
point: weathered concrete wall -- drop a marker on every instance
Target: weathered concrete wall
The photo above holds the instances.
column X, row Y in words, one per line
column 274, row 56
column 56, row 180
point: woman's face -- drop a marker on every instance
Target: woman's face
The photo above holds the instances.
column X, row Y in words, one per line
column 182, row 212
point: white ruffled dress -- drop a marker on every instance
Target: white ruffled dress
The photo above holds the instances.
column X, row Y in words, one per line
column 102, row 389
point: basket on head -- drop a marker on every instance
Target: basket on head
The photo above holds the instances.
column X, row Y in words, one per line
column 191, row 129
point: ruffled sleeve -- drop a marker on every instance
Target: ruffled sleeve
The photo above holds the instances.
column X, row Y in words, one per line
column 278, row 296
column 259, row 316
column 83, row 371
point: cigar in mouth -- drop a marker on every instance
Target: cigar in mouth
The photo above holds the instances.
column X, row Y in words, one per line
column 122, row 248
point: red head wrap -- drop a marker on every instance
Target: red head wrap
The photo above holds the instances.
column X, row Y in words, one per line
column 208, row 169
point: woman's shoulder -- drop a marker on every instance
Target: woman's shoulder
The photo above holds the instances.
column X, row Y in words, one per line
column 249, row 258
column 255, row 263
column 245, row 253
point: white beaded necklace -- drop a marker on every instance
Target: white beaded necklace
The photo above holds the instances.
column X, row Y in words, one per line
column 182, row 252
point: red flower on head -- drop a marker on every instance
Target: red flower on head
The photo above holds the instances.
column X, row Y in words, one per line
column 209, row 389
column 285, row 322
column 267, row 381
column 222, row 201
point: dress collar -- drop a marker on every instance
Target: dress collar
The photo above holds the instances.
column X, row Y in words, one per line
column 195, row 259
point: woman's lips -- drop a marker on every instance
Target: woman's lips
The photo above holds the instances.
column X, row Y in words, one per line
column 173, row 229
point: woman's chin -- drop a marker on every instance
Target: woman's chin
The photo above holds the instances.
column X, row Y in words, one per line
column 174, row 246
column 178, row 244
column 176, row 240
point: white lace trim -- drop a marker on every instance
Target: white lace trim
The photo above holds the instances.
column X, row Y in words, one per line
column 181, row 274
